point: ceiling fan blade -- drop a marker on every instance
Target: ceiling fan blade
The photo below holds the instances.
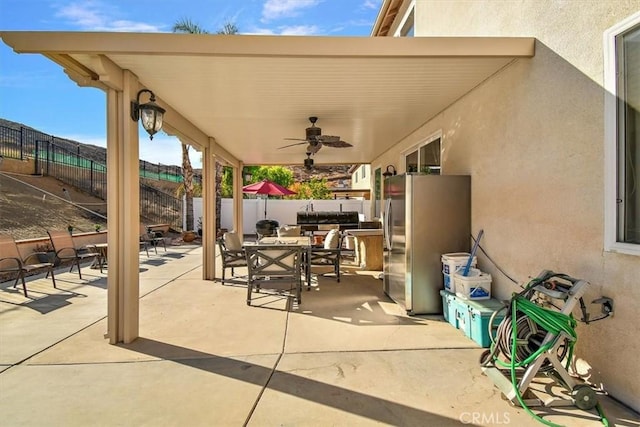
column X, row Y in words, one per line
column 328, row 138
column 291, row 145
column 294, row 139
column 336, row 144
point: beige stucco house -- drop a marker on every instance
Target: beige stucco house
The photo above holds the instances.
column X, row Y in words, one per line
column 519, row 95
column 539, row 139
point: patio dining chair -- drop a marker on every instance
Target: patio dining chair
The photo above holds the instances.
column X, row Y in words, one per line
column 149, row 238
column 12, row 262
column 232, row 255
column 274, row 267
column 289, row 231
column 66, row 250
column 327, row 255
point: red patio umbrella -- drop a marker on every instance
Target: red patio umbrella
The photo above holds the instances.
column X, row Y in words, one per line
column 268, row 188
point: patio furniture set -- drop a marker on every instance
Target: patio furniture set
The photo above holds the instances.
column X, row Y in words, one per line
column 280, row 263
column 65, row 251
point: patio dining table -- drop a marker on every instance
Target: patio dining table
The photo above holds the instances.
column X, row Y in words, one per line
column 100, row 261
column 302, row 241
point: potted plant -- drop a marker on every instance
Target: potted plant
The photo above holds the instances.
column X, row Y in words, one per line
column 200, row 226
column 97, row 227
column 188, row 236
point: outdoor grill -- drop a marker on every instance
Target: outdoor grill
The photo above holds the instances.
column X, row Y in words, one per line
column 267, row 227
column 309, row 221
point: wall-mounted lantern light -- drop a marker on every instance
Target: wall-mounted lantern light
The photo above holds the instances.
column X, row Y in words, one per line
column 388, row 172
column 150, row 113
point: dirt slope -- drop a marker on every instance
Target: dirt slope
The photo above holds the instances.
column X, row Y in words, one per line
column 28, row 212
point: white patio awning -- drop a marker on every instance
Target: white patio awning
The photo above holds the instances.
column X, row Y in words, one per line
column 251, row 92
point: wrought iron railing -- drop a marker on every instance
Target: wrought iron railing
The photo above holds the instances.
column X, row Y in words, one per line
column 61, row 159
column 84, row 174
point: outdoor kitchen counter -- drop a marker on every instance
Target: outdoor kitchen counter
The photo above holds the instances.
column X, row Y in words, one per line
column 368, row 248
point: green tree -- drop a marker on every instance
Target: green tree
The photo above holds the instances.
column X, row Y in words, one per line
column 185, row 25
column 316, row 189
column 197, row 190
column 278, row 174
column 227, row 182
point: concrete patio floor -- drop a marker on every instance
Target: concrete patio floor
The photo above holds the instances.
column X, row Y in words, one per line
column 346, row 356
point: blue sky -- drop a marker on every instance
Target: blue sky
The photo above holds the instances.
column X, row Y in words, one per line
column 36, row 92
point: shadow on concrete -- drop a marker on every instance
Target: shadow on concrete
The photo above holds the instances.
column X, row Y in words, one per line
column 40, row 301
column 320, row 393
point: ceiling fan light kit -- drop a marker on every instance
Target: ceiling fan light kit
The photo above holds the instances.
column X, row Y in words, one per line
column 308, row 163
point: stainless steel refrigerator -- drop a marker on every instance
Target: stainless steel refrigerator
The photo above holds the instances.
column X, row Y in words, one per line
column 425, row 216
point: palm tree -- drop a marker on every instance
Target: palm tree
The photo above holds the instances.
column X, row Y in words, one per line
column 185, row 25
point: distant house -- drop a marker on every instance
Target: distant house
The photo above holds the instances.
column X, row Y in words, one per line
column 360, row 176
column 552, row 145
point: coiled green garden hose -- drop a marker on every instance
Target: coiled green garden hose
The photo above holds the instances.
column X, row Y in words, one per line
column 551, row 321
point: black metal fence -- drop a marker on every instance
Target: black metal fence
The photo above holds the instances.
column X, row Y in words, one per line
column 61, row 158
column 84, row 174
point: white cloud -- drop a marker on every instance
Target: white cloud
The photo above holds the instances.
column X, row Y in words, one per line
column 299, row 30
column 293, row 30
column 371, row 4
column 274, row 9
column 164, row 149
column 260, row 32
column 97, row 16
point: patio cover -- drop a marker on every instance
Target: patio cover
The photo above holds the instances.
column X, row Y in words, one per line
column 250, row 92
column 236, row 97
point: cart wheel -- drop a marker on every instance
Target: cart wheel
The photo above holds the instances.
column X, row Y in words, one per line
column 584, row 397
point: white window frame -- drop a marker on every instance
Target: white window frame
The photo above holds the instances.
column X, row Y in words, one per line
column 611, row 243
column 401, row 30
column 428, row 140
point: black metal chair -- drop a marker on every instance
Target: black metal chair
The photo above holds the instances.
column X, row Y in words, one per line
column 66, row 250
column 276, row 267
column 12, row 262
column 232, row 256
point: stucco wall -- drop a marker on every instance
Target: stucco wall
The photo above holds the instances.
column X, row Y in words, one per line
column 531, row 137
column 361, row 182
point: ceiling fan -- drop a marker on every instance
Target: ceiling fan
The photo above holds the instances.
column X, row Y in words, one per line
column 315, row 140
